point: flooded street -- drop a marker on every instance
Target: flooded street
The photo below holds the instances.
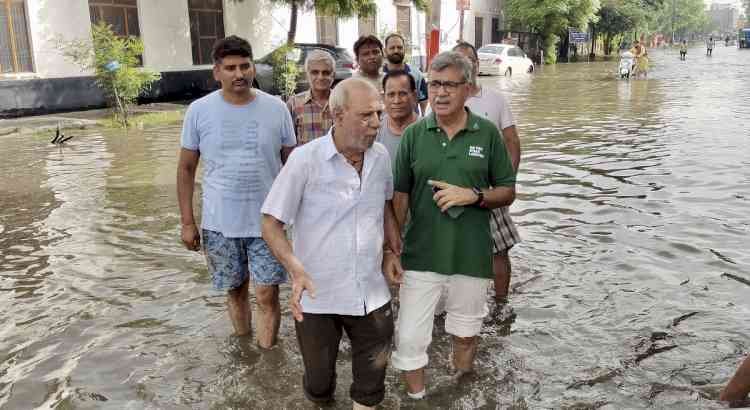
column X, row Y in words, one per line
column 634, row 208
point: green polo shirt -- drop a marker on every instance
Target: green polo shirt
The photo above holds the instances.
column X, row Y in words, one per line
column 475, row 157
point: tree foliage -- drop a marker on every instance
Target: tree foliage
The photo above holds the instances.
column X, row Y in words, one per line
column 116, row 62
column 683, row 17
column 551, row 19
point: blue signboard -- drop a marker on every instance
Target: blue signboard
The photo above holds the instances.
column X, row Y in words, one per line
column 577, row 37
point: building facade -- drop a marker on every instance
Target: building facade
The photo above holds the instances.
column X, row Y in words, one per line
column 35, row 76
column 724, row 17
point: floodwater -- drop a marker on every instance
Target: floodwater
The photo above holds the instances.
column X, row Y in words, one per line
column 634, row 200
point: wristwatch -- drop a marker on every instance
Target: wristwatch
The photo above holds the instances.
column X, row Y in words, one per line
column 480, row 196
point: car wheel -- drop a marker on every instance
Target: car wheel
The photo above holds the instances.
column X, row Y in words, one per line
column 508, row 72
column 531, row 69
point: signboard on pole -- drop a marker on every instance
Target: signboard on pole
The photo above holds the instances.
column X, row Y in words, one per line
column 462, row 5
column 577, row 37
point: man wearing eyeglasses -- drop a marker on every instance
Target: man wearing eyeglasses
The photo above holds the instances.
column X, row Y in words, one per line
column 445, row 168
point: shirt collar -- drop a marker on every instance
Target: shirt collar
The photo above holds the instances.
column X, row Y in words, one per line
column 472, row 122
column 329, row 148
column 306, row 96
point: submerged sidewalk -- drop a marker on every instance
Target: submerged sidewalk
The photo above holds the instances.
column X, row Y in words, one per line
column 77, row 119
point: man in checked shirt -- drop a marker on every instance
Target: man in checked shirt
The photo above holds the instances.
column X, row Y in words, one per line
column 309, row 109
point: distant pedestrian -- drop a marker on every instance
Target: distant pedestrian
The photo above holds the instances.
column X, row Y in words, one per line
column 710, row 46
column 310, row 109
column 243, row 136
column 683, row 50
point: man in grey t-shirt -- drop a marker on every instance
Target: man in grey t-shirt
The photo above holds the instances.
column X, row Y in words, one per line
column 243, row 136
column 400, row 99
column 495, row 107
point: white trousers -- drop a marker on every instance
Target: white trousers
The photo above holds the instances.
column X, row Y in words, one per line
column 465, row 304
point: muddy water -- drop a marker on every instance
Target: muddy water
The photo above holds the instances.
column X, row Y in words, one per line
column 634, row 208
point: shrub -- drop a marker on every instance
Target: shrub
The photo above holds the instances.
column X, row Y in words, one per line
column 116, row 63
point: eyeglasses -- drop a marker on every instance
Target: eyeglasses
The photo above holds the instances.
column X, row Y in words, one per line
column 448, row 86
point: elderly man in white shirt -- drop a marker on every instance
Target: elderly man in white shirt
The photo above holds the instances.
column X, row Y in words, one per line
column 337, row 191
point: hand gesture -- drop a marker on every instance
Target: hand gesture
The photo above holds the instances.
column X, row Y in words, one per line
column 392, row 269
column 300, row 282
column 448, row 196
column 191, row 238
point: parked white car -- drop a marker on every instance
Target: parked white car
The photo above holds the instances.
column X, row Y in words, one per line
column 503, row 59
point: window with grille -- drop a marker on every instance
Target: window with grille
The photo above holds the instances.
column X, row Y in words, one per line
column 206, row 26
column 15, row 51
column 328, row 30
column 122, row 15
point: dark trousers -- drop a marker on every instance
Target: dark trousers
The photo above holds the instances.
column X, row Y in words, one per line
column 319, row 336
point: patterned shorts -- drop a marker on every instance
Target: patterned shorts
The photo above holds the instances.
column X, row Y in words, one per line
column 504, row 233
column 231, row 261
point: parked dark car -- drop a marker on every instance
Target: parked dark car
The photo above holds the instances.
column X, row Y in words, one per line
column 264, row 68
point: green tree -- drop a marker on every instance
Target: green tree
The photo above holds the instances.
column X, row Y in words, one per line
column 681, row 18
column 116, row 62
column 551, row 19
column 617, row 17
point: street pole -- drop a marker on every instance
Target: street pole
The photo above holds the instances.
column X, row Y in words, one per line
column 461, row 25
column 674, row 15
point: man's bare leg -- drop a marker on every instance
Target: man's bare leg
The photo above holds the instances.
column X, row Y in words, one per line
column 357, row 406
column 501, row 267
column 268, row 315
column 464, row 349
column 739, row 386
column 414, row 381
column 238, row 307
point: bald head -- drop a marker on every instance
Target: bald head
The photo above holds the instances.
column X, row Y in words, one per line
column 356, row 109
column 341, row 96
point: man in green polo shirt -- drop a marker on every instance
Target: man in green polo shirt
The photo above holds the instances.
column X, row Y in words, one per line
column 443, row 172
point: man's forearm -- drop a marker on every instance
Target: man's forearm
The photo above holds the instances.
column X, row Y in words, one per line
column 273, row 234
column 400, row 208
column 185, row 188
column 391, row 228
column 513, row 145
column 499, row 196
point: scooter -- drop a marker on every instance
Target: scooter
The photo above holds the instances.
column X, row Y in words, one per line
column 625, row 69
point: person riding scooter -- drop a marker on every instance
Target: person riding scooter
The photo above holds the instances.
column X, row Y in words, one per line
column 627, row 61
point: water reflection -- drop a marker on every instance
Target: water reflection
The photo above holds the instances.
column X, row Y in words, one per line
column 632, row 203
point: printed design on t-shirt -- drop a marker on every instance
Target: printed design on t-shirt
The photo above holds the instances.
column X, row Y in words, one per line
column 475, row 151
column 240, row 142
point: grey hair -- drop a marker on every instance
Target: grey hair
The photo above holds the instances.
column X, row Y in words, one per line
column 453, row 59
column 339, row 99
column 316, row 56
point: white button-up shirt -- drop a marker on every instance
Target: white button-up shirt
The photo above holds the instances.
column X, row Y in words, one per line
column 338, row 224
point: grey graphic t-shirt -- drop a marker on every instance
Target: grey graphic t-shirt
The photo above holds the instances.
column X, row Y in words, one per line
column 240, row 149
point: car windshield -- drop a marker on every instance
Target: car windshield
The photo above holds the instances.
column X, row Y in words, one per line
column 491, row 49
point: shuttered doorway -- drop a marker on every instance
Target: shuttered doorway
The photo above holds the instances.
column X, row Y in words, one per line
column 15, row 49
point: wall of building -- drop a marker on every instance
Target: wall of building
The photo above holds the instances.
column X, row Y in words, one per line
column 51, row 21
column 165, row 30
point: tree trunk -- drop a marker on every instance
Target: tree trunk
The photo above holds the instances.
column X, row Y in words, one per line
column 292, row 24
column 592, row 53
